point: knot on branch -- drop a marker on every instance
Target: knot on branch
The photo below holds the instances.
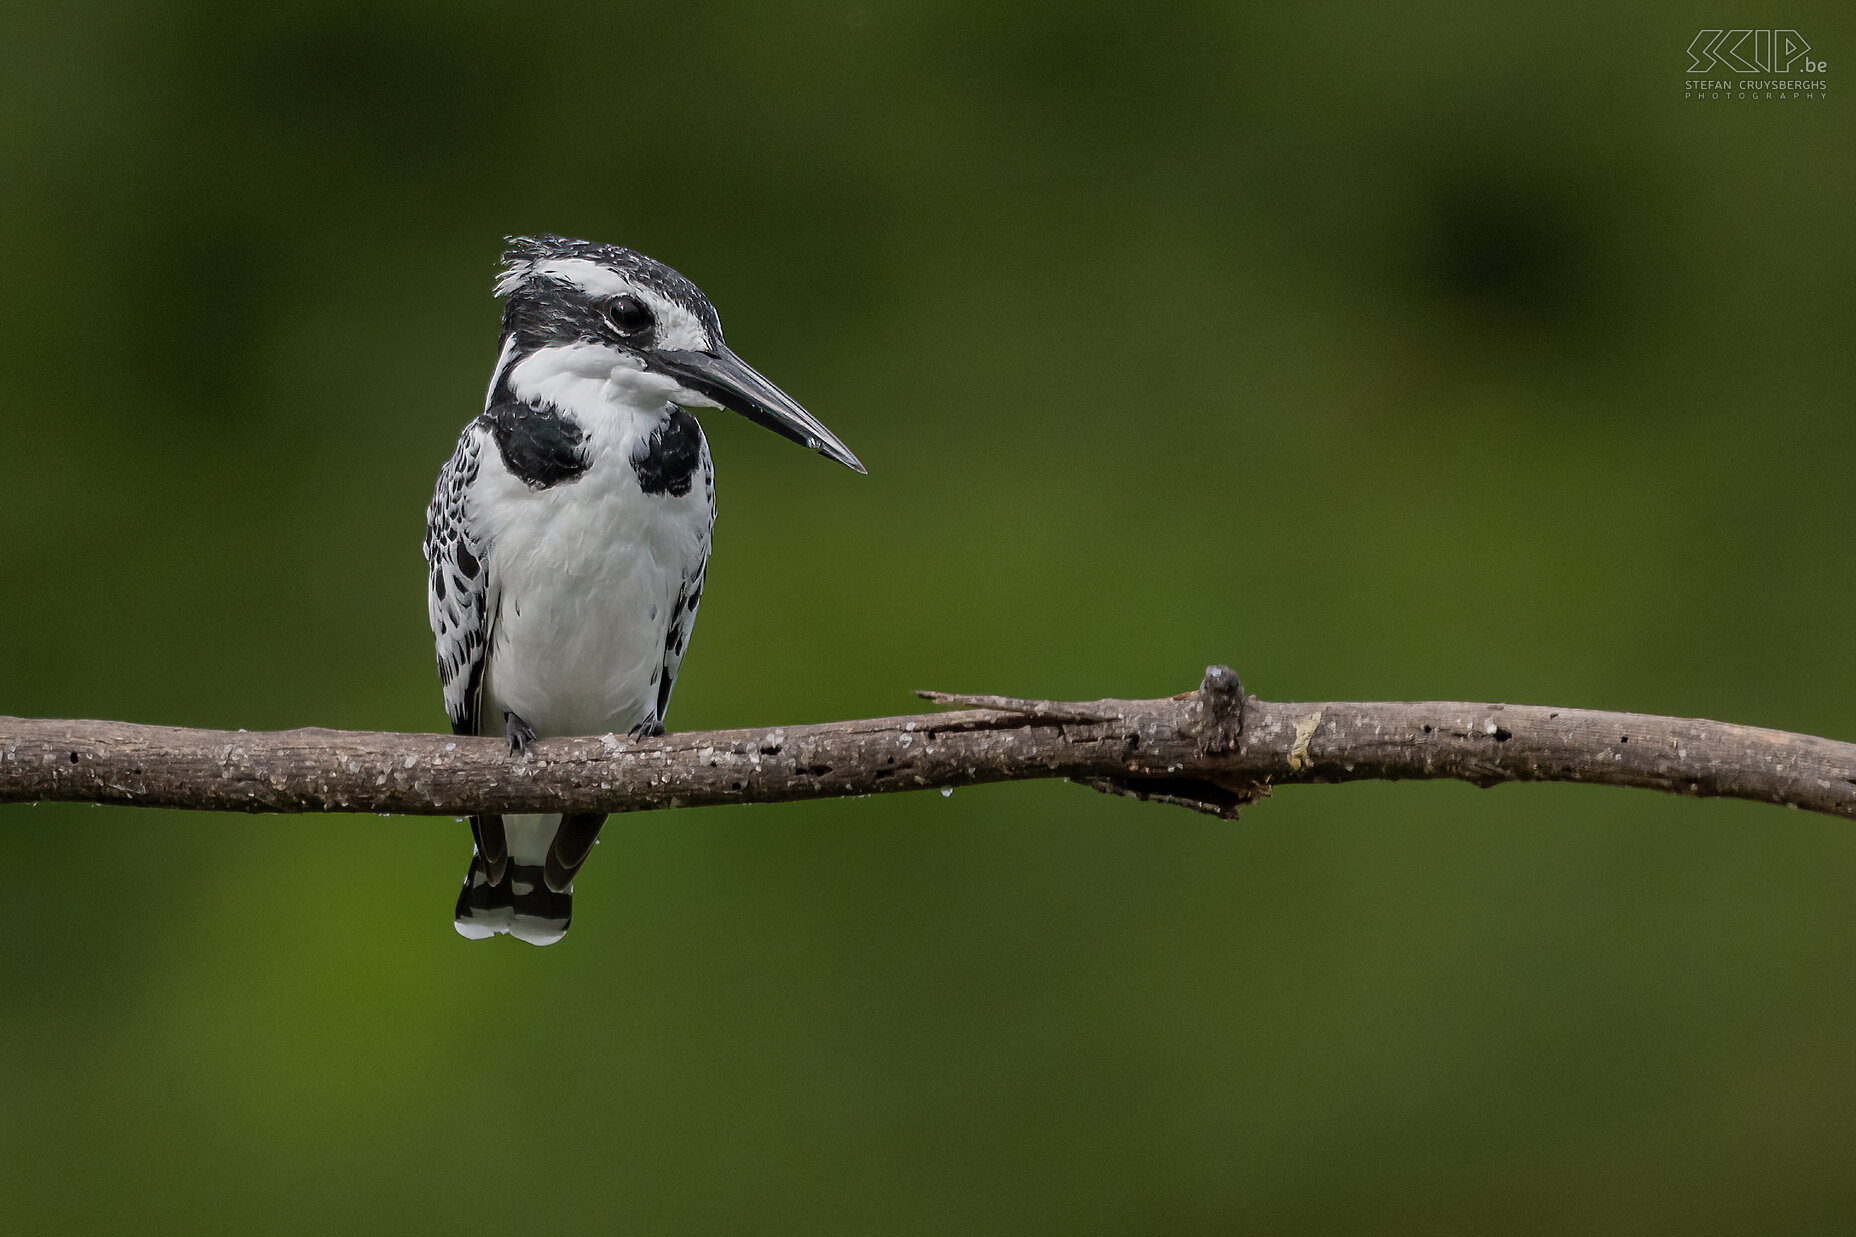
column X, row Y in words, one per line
column 1216, row 719
column 1211, row 718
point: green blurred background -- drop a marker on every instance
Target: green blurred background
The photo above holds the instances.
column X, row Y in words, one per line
column 1432, row 350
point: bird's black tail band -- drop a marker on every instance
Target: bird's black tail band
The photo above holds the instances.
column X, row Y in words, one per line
column 530, row 901
column 521, row 904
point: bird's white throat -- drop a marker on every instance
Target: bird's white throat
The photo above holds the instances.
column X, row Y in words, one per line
column 604, row 389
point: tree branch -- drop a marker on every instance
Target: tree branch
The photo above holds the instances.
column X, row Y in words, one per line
column 1213, row 749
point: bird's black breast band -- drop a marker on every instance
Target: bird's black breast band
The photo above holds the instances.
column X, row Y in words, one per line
column 666, row 461
column 539, row 443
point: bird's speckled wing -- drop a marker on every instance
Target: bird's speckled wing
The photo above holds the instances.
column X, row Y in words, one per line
column 689, row 596
column 457, row 583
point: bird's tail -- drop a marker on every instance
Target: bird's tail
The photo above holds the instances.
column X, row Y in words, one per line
column 532, row 902
column 521, row 904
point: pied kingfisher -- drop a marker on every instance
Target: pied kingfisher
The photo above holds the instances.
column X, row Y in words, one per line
column 569, row 533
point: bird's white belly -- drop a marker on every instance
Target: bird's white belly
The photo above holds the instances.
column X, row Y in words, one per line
column 585, row 577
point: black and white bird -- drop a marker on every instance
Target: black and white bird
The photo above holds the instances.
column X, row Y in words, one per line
column 569, row 534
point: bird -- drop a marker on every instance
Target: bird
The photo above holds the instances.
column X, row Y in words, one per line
column 567, row 540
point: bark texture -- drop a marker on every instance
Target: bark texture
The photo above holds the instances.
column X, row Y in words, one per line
column 1213, row 749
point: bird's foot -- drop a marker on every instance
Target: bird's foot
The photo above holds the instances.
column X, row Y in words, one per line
column 519, row 733
column 648, row 729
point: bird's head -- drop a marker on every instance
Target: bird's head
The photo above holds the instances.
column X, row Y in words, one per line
column 601, row 309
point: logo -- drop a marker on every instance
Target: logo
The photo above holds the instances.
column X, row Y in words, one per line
column 1746, row 54
column 1751, row 51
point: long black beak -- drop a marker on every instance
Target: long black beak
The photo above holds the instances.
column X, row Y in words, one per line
column 733, row 383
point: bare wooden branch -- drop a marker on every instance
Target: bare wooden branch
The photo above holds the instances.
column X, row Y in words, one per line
column 1214, row 750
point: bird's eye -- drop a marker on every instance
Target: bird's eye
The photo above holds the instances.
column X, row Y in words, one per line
column 629, row 315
